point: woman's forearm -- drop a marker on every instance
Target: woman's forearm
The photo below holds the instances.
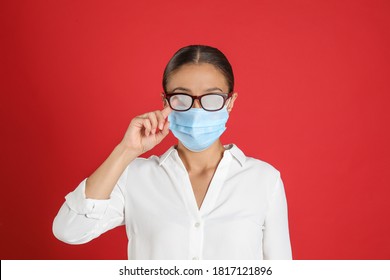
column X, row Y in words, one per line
column 101, row 183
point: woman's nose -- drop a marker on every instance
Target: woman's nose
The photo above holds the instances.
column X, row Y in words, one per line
column 196, row 104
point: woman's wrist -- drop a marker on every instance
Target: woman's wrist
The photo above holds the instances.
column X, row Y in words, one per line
column 125, row 153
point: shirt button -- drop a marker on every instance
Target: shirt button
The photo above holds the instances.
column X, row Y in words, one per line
column 197, row 225
column 195, row 258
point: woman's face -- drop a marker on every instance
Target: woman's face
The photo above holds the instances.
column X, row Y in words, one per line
column 198, row 79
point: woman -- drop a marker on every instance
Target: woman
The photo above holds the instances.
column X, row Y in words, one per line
column 200, row 199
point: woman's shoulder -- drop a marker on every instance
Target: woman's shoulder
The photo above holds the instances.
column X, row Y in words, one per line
column 261, row 164
column 262, row 168
column 143, row 164
column 253, row 163
column 152, row 160
column 144, row 161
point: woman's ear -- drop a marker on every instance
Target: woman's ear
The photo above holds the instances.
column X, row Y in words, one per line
column 231, row 101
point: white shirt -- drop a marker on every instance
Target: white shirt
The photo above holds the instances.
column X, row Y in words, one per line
column 243, row 215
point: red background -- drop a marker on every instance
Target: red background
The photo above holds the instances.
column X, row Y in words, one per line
column 313, row 83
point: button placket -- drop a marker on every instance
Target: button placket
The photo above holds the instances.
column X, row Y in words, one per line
column 196, row 239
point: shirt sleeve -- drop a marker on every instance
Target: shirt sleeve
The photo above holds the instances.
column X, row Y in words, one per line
column 276, row 238
column 81, row 219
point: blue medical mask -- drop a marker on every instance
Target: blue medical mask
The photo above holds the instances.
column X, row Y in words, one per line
column 197, row 128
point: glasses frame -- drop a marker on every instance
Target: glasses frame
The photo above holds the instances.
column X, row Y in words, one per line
column 168, row 95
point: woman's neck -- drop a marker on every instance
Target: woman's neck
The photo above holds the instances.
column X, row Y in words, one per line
column 196, row 162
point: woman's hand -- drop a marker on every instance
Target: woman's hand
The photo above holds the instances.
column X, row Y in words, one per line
column 146, row 131
column 143, row 133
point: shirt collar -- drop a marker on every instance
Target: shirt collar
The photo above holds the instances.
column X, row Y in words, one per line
column 232, row 148
column 164, row 156
column 237, row 153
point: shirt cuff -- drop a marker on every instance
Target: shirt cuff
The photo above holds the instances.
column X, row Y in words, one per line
column 91, row 208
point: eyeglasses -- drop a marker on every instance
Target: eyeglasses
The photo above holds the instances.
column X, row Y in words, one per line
column 210, row 102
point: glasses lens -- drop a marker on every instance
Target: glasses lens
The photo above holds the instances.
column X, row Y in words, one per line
column 212, row 102
column 180, row 102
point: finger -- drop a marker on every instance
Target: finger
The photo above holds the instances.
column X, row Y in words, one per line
column 137, row 121
column 163, row 133
column 143, row 116
column 166, row 111
column 160, row 119
column 153, row 120
column 147, row 125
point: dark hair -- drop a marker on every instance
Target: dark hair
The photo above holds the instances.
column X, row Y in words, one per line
column 195, row 54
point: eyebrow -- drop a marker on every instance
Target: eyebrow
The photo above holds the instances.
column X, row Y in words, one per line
column 188, row 90
column 214, row 89
column 181, row 88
